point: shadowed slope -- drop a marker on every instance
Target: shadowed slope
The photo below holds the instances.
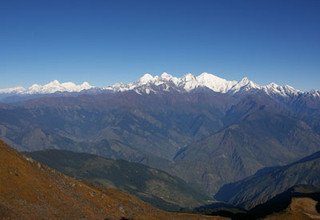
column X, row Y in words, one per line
column 259, row 135
column 269, row 182
column 151, row 185
column 298, row 202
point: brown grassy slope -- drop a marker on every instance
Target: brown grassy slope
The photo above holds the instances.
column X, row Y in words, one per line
column 29, row 190
column 299, row 208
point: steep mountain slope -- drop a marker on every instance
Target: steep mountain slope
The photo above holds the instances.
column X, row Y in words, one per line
column 29, row 190
column 269, row 182
column 151, row 185
column 124, row 125
column 260, row 135
column 185, row 126
column 307, row 107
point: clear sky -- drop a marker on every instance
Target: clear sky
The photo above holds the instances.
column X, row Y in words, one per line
column 108, row 41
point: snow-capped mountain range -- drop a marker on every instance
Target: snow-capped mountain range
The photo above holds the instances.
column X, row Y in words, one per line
column 165, row 82
column 52, row 87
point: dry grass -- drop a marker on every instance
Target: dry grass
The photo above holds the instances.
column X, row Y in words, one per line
column 299, row 209
column 29, row 190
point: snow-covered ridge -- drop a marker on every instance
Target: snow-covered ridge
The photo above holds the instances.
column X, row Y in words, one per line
column 51, row 87
column 165, row 82
column 314, row 93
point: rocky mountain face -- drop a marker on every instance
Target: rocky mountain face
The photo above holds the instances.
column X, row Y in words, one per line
column 259, row 135
column 30, row 190
column 151, row 185
column 269, row 182
column 204, row 129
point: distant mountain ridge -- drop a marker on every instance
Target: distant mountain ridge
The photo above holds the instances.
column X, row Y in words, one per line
column 189, row 82
column 205, row 137
column 51, row 87
column 165, row 83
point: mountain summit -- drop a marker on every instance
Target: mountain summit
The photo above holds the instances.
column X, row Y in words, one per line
column 164, row 83
column 188, row 83
column 51, row 87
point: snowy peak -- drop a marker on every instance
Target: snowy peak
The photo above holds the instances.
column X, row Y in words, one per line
column 274, row 89
column 244, row 85
column 215, row 83
column 314, row 93
column 17, row 90
column 244, row 81
column 149, row 79
column 56, row 86
column 166, row 76
column 169, row 78
column 51, row 87
column 165, row 83
column 188, row 82
column 210, row 78
column 146, row 78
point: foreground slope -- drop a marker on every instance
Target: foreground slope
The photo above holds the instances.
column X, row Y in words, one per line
column 29, row 190
column 151, row 185
column 269, row 182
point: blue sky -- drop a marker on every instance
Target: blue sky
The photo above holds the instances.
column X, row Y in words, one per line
column 108, row 41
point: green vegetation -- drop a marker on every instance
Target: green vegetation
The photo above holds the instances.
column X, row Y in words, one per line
column 151, row 185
